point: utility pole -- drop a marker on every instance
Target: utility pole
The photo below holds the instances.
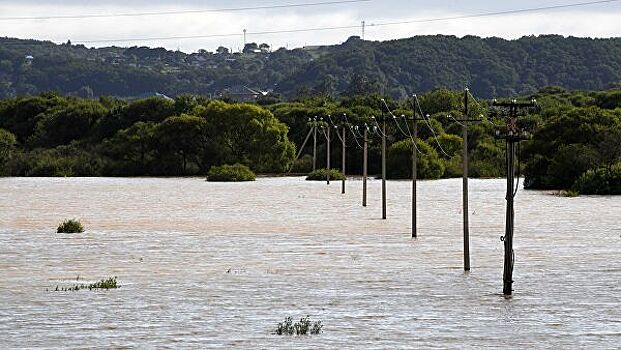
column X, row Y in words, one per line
column 512, row 136
column 465, row 186
column 245, row 37
column 414, row 175
column 343, row 160
column 315, row 144
column 328, row 157
column 383, row 164
column 365, row 167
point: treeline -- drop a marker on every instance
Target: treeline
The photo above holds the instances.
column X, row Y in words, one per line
column 52, row 135
column 576, row 136
column 397, row 68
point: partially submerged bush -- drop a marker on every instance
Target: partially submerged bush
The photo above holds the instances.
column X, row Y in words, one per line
column 230, row 173
column 568, row 193
column 70, row 226
column 322, row 175
column 108, row 283
column 303, row 327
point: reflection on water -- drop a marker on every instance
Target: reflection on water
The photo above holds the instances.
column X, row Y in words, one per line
column 219, row 265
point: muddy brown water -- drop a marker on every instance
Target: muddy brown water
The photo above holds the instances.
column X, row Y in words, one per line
column 218, row 265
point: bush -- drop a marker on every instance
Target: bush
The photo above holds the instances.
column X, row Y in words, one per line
column 303, row 327
column 70, row 226
column 230, row 173
column 602, row 181
column 322, row 175
column 109, row 283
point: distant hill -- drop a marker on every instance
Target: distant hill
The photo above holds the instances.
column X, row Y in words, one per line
column 490, row 66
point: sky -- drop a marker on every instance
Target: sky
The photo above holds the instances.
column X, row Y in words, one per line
column 596, row 20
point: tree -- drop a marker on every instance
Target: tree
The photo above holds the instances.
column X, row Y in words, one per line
column 7, row 145
column 182, row 136
column 246, row 134
column 60, row 126
column 399, row 161
column 132, row 149
column 250, row 48
column 222, row 50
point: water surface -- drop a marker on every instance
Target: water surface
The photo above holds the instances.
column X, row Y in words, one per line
column 218, row 265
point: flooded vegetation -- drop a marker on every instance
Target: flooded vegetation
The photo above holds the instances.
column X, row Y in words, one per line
column 220, row 264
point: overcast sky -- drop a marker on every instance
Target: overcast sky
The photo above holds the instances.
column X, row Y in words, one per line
column 600, row 20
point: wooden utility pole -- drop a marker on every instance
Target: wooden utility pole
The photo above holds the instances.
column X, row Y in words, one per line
column 328, row 157
column 315, row 147
column 343, row 160
column 383, row 166
column 512, row 137
column 465, row 186
column 414, row 175
column 365, row 168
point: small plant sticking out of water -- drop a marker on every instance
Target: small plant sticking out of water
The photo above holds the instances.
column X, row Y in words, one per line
column 70, row 226
column 108, row 283
column 303, row 327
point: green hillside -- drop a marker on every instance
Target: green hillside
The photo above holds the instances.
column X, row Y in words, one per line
column 490, row 66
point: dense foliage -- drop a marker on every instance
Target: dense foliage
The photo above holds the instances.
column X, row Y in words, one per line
column 52, row 135
column 600, row 181
column 492, row 66
column 575, row 135
column 230, row 173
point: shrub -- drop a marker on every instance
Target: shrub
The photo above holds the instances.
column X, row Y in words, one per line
column 108, row 283
column 303, row 327
column 70, row 226
column 322, row 175
column 601, row 181
column 230, row 173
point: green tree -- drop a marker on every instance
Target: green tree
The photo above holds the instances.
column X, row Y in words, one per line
column 184, row 137
column 61, row 125
column 132, row 149
column 399, row 161
column 247, row 134
column 7, row 146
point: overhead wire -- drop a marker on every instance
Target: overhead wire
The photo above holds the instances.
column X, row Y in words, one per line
column 325, row 28
column 433, row 132
column 181, row 12
column 409, row 133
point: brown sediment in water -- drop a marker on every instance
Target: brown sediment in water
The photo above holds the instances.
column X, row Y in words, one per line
column 297, row 248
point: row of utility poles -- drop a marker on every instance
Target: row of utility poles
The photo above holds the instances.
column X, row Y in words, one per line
column 512, row 136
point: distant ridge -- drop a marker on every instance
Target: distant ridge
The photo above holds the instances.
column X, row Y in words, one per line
column 490, row 66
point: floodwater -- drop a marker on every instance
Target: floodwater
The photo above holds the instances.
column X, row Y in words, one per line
column 218, row 265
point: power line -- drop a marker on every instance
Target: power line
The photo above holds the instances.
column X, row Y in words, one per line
column 178, row 12
column 353, row 26
column 491, row 14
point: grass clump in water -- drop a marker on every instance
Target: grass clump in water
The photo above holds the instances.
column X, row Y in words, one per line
column 107, row 283
column 70, row 226
column 303, row 327
column 230, row 173
column 322, row 175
